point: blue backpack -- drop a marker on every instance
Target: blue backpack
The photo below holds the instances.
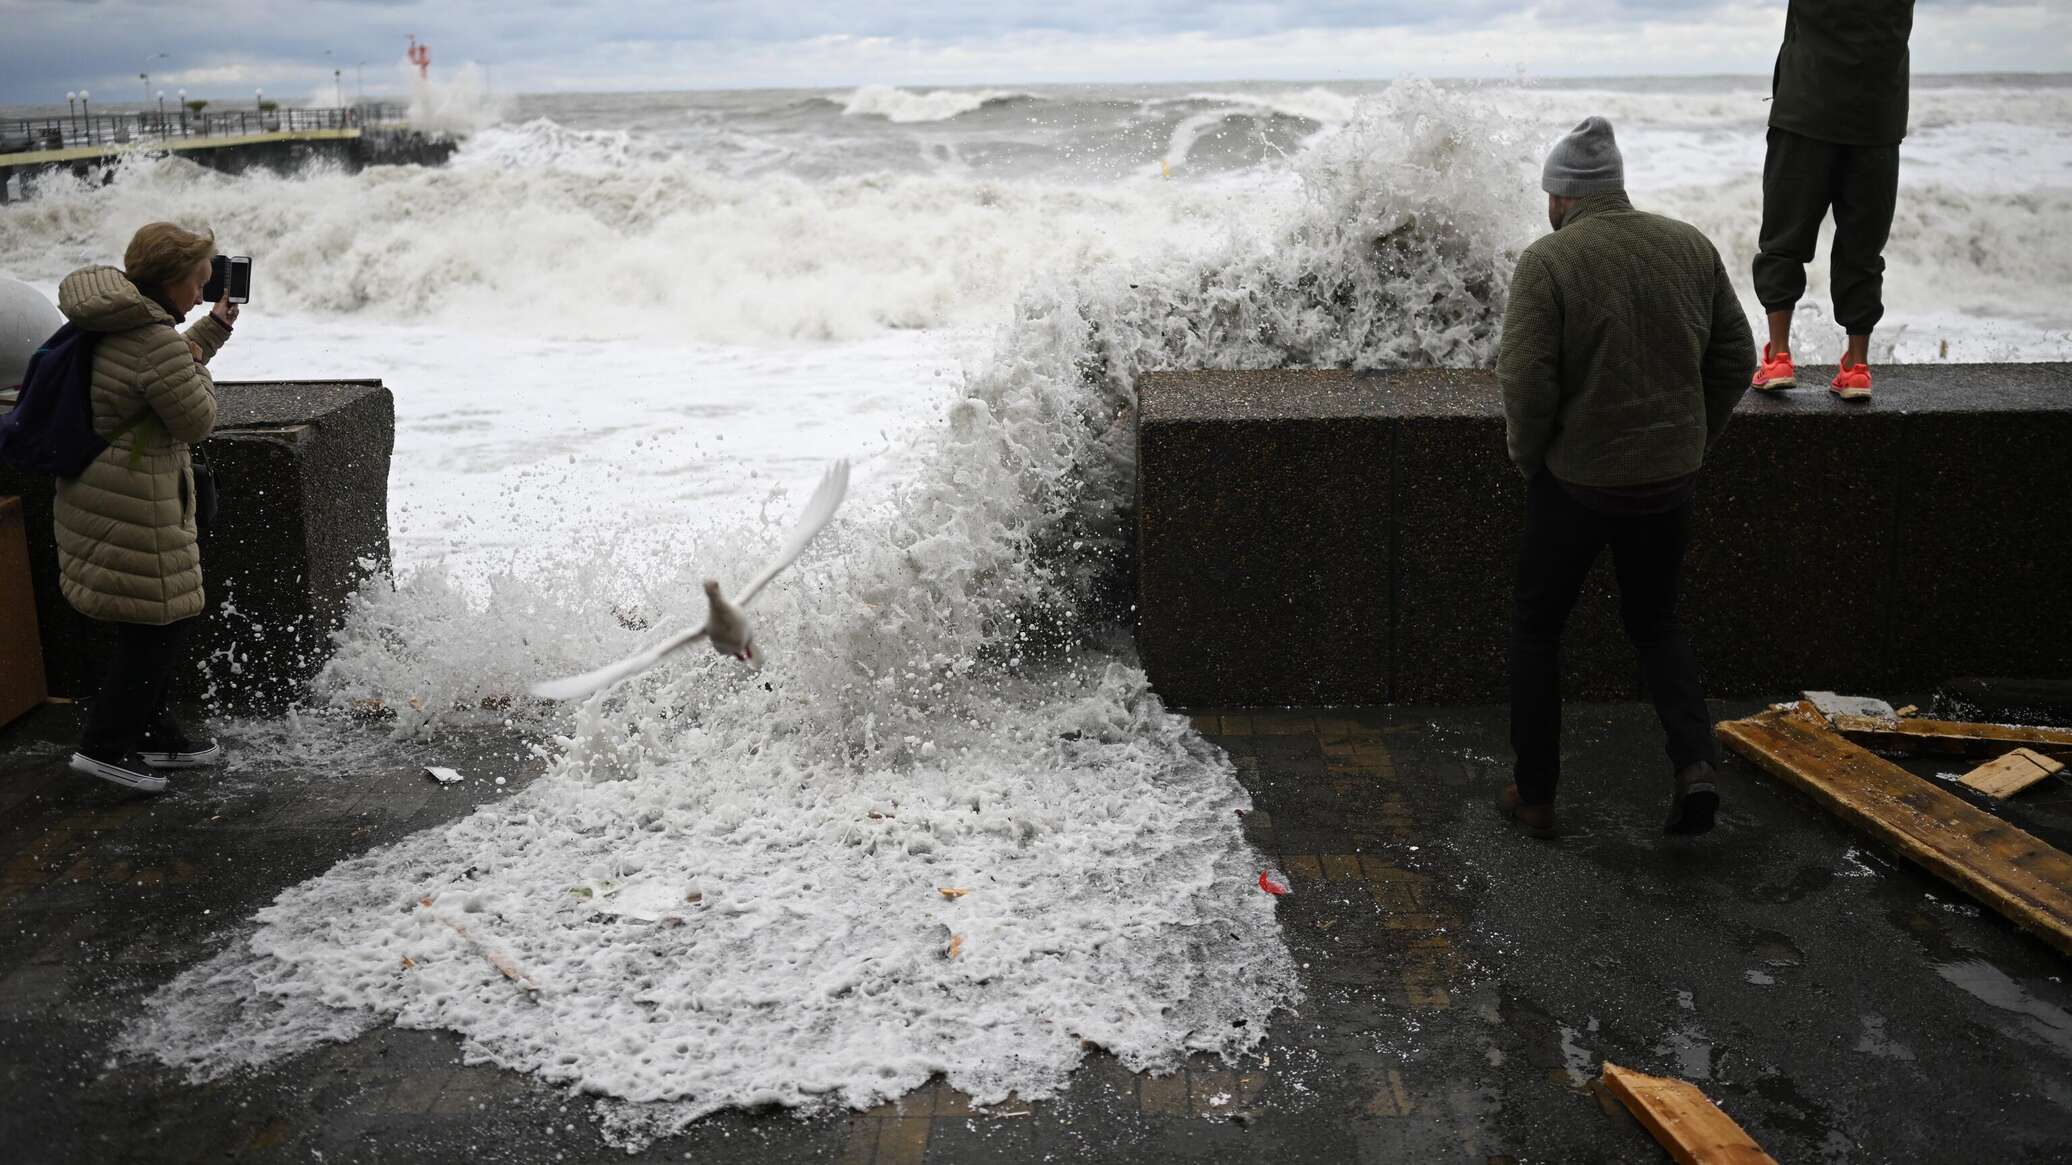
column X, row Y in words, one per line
column 51, row 429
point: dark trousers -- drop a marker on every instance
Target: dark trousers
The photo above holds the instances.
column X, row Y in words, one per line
column 1562, row 540
column 136, row 695
column 1803, row 179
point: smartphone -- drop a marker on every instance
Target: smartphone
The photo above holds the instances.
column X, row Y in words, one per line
column 238, row 279
column 231, row 275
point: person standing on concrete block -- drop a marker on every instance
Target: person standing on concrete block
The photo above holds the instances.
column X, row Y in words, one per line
column 129, row 551
column 1624, row 352
column 1838, row 110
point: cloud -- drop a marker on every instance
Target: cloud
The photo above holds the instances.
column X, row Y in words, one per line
column 222, row 49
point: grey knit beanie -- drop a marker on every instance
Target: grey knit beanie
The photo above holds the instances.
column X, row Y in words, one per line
column 1586, row 161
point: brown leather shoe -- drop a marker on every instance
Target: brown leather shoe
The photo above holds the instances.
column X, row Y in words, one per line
column 1535, row 820
column 1695, row 800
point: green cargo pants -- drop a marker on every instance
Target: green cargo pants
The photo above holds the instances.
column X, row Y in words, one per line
column 1802, row 179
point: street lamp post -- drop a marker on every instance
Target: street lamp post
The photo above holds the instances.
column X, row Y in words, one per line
column 161, row 113
column 183, row 112
column 86, row 114
column 145, row 76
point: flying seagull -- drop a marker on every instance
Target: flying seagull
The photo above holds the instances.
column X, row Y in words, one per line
column 726, row 624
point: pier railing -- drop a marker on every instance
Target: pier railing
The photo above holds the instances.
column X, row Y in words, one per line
column 22, row 135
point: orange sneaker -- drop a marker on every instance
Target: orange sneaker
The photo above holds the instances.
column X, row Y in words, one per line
column 1775, row 372
column 1852, row 383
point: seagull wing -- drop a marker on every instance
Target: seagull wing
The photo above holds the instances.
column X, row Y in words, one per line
column 834, row 485
column 576, row 687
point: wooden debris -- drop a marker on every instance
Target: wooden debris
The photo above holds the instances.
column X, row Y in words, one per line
column 956, row 945
column 501, row 961
column 1950, row 737
column 1691, row 1127
column 2011, row 773
column 951, row 892
column 2009, row 870
column 1909, row 710
column 409, row 964
column 498, row 959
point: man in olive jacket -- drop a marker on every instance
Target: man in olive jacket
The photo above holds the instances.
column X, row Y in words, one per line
column 1624, row 352
column 1838, row 110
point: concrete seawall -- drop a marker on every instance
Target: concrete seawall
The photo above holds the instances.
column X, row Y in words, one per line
column 303, row 469
column 1320, row 537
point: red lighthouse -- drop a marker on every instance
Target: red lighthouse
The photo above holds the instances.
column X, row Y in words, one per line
column 421, row 56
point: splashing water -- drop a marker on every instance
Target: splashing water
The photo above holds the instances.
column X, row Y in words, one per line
column 458, row 103
column 951, row 703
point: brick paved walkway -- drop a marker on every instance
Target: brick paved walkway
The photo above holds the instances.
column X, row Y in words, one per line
column 1463, row 982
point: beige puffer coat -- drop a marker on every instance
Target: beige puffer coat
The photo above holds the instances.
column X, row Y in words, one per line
column 127, row 549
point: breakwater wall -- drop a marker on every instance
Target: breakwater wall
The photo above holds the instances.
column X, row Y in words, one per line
column 285, row 142
column 1320, row 537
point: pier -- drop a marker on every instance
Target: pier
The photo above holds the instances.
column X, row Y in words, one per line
column 232, row 141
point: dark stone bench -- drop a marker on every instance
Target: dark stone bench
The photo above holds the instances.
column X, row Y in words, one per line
column 1314, row 537
column 304, row 470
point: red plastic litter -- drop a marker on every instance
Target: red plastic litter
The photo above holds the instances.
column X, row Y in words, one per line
column 1267, row 884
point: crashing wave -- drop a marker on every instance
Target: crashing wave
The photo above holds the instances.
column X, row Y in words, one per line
column 950, row 702
column 906, row 106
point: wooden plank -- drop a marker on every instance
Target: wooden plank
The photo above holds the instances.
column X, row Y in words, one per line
column 1691, row 1127
column 2011, row 773
column 1950, row 737
column 2009, row 870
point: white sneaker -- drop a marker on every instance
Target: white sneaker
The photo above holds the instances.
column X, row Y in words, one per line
column 130, row 772
column 182, row 753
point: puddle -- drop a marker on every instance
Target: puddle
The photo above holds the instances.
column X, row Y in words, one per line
column 1774, row 949
column 1794, row 1113
column 2045, row 1022
column 1691, row 1047
column 1575, row 1057
column 1874, row 1041
column 1759, row 978
column 1806, row 881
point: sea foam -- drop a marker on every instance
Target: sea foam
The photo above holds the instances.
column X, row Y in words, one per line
column 950, row 703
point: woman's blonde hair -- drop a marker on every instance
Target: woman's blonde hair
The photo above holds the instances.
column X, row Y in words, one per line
column 161, row 252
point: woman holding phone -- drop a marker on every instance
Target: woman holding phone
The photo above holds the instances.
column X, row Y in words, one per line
column 129, row 552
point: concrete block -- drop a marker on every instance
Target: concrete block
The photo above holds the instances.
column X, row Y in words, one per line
column 1876, row 548
column 303, row 470
column 1983, row 540
column 1789, row 581
column 1264, row 539
column 26, row 320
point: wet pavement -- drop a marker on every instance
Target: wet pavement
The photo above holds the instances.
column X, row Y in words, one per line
column 1464, row 983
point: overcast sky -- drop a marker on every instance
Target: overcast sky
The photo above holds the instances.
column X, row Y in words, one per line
column 225, row 50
